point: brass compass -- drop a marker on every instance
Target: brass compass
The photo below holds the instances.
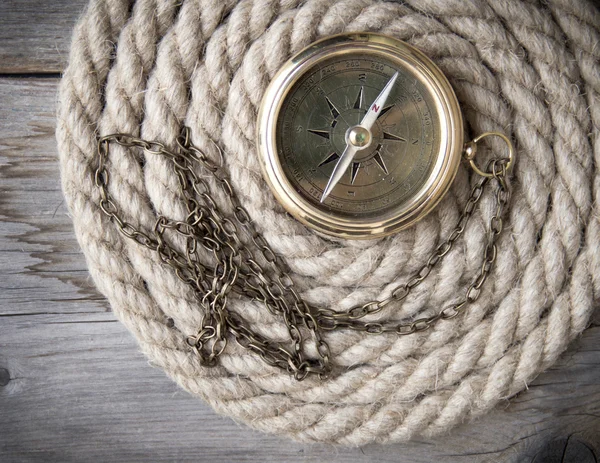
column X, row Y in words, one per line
column 360, row 135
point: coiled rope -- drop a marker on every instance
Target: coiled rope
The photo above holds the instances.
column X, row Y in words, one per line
column 149, row 67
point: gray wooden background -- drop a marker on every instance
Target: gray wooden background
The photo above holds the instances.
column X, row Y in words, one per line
column 73, row 385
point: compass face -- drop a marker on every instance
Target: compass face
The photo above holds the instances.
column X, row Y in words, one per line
column 333, row 97
column 342, row 170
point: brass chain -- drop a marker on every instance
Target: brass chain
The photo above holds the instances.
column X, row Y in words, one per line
column 236, row 266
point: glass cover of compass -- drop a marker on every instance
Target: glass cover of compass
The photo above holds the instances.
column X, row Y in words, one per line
column 359, row 135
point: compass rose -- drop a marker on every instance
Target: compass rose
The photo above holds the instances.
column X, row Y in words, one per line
column 357, row 108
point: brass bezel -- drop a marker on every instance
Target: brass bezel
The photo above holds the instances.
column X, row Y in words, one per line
column 451, row 132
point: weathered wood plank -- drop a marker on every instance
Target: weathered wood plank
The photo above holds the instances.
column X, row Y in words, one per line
column 35, row 36
column 32, row 207
column 73, row 386
column 80, row 391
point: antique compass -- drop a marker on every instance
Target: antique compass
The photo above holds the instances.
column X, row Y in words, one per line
column 360, row 135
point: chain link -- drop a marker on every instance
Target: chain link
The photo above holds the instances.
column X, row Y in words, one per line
column 261, row 274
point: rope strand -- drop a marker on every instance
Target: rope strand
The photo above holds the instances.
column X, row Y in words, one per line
column 159, row 65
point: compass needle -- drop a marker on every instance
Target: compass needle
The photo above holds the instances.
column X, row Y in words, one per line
column 389, row 183
column 339, row 169
column 360, row 135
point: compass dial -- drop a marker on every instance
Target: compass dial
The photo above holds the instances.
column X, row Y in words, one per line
column 395, row 157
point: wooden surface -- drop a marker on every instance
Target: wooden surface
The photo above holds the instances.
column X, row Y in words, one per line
column 73, row 386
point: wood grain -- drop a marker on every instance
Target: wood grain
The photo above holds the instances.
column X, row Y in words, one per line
column 35, row 35
column 73, row 386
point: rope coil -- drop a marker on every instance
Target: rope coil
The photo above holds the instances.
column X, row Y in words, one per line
column 150, row 66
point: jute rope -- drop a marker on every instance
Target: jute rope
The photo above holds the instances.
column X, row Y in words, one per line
column 531, row 70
